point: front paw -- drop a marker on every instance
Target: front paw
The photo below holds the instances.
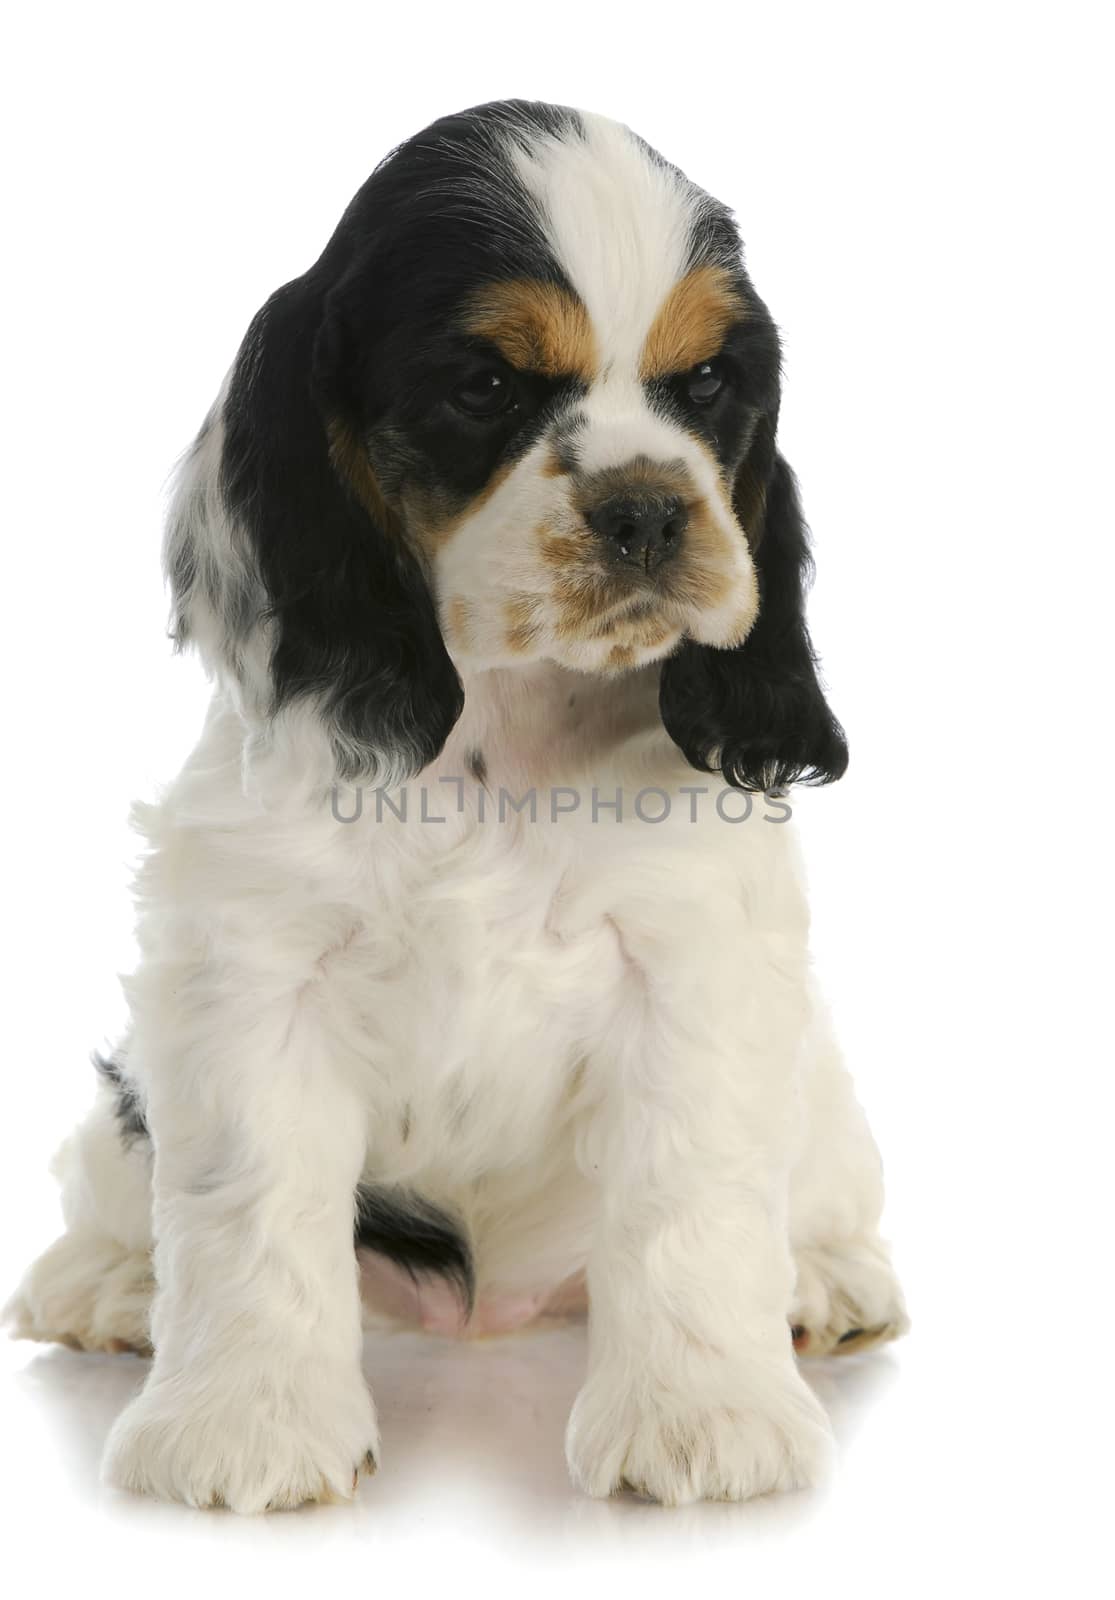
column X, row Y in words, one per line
column 252, row 1441
column 765, row 1433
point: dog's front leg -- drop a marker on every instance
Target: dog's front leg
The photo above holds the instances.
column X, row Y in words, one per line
column 692, row 1390
column 256, row 1398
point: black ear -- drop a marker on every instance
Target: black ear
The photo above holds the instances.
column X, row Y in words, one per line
column 352, row 624
column 756, row 713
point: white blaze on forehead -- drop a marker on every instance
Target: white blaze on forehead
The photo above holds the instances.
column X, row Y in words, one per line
column 617, row 424
column 619, row 223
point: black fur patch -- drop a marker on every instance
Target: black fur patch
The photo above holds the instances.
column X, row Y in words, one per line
column 370, row 338
column 129, row 1110
column 417, row 1236
column 394, row 1222
column 757, row 714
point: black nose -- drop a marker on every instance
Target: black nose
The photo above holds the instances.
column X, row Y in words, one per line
column 641, row 529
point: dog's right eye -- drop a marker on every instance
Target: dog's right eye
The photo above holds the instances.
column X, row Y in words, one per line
column 487, row 393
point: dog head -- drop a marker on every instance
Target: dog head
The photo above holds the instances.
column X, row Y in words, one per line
column 523, row 407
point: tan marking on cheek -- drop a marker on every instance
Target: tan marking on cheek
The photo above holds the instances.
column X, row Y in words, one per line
column 709, row 575
column 458, row 622
column 749, row 506
column 728, row 492
column 702, row 578
column 691, row 323
column 523, row 623
column 581, row 590
column 535, row 326
column 620, row 656
column 350, row 461
column 560, row 551
column 580, row 599
column 432, row 521
column 651, row 634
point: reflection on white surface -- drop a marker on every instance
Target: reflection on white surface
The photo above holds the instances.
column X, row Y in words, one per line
column 472, row 1447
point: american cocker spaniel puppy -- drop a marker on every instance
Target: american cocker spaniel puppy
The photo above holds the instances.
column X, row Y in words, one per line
column 473, row 928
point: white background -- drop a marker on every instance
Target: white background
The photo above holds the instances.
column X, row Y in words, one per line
column 924, row 196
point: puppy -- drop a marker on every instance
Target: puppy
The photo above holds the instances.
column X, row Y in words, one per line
column 472, row 931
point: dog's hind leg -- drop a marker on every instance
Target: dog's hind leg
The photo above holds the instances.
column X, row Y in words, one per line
column 92, row 1288
column 847, row 1296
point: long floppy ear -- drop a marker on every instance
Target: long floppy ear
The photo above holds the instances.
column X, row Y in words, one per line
column 319, row 569
column 756, row 713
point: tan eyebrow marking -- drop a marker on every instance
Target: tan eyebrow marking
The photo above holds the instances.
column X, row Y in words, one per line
column 691, row 322
column 536, row 326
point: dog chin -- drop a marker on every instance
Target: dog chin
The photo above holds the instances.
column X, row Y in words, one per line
column 613, row 654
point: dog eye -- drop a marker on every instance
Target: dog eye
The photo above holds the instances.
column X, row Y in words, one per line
column 704, row 382
column 484, row 394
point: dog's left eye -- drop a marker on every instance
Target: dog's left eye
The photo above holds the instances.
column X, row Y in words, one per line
column 485, row 394
column 704, row 382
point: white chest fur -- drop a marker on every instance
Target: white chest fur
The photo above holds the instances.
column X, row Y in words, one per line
column 469, row 943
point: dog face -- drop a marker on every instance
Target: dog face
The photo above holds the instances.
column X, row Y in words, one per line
column 592, row 521
column 522, row 408
column 565, row 431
